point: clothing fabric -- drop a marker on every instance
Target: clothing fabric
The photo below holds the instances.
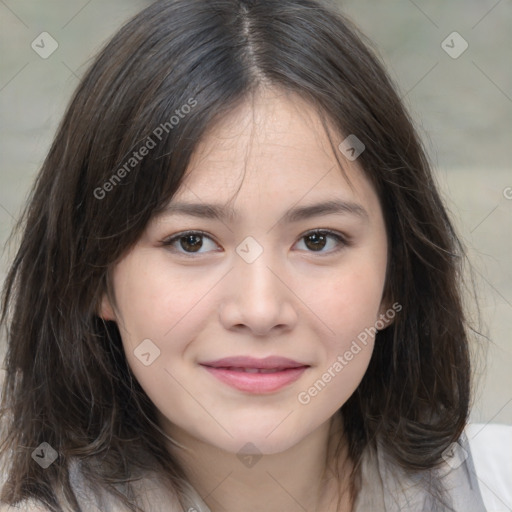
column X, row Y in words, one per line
column 388, row 488
column 385, row 488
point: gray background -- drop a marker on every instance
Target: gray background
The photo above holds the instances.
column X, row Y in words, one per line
column 462, row 106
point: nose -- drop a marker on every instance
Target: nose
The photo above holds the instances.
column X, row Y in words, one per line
column 258, row 299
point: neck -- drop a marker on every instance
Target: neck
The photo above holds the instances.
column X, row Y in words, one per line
column 302, row 478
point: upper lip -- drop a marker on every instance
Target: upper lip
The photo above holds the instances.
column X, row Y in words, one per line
column 252, row 362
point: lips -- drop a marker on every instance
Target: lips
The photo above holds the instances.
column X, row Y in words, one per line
column 267, row 363
column 253, row 370
column 256, row 375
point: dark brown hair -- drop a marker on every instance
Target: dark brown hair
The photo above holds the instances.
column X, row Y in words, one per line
column 67, row 381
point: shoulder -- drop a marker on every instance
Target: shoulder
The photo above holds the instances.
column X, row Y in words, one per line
column 458, row 476
column 491, row 446
column 151, row 491
column 451, row 486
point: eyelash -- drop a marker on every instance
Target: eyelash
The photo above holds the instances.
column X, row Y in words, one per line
column 340, row 239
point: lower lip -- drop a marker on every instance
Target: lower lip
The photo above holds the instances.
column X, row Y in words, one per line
column 257, row 383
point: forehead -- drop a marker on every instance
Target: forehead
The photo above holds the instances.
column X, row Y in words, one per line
column 273, row 145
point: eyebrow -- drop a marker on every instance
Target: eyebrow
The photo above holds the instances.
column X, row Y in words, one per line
column 296, row 214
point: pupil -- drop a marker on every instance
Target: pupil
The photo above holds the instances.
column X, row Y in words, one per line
column 318, row 241
column 191, row 243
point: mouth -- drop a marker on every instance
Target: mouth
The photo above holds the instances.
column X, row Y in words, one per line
column 257, row 376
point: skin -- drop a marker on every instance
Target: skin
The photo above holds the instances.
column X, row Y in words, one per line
column 292, row 301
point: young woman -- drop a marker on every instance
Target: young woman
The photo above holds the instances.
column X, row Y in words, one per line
column 237, row 287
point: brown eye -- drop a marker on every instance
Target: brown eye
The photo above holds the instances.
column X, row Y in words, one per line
column 315, row 241
column 191, row 243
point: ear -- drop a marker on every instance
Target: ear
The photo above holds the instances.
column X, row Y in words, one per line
column 105, row 309
column 387, row 313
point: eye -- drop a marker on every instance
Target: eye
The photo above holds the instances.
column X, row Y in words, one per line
column 316, row 241
column 189, row 242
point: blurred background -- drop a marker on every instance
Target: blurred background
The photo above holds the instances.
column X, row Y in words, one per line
column 450, row 61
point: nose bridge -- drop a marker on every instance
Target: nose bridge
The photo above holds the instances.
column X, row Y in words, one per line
column 253, row 274
column 257, row 298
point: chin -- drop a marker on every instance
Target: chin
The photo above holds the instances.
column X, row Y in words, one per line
column 260, row 438
column 255, row 445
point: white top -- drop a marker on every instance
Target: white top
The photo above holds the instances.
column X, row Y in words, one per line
column 385, row 488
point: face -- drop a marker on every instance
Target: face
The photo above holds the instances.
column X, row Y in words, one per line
column 250, row 321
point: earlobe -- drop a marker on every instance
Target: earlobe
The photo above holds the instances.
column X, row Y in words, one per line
column 386, row 316
column 105, row 309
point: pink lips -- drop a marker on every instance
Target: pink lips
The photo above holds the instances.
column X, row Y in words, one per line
column 256, row 375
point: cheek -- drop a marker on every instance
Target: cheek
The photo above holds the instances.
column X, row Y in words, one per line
column 348, row 304
column 349, row 301
column 350, row 308
column 155, row 301
column 158, row 322
column 160, row 319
